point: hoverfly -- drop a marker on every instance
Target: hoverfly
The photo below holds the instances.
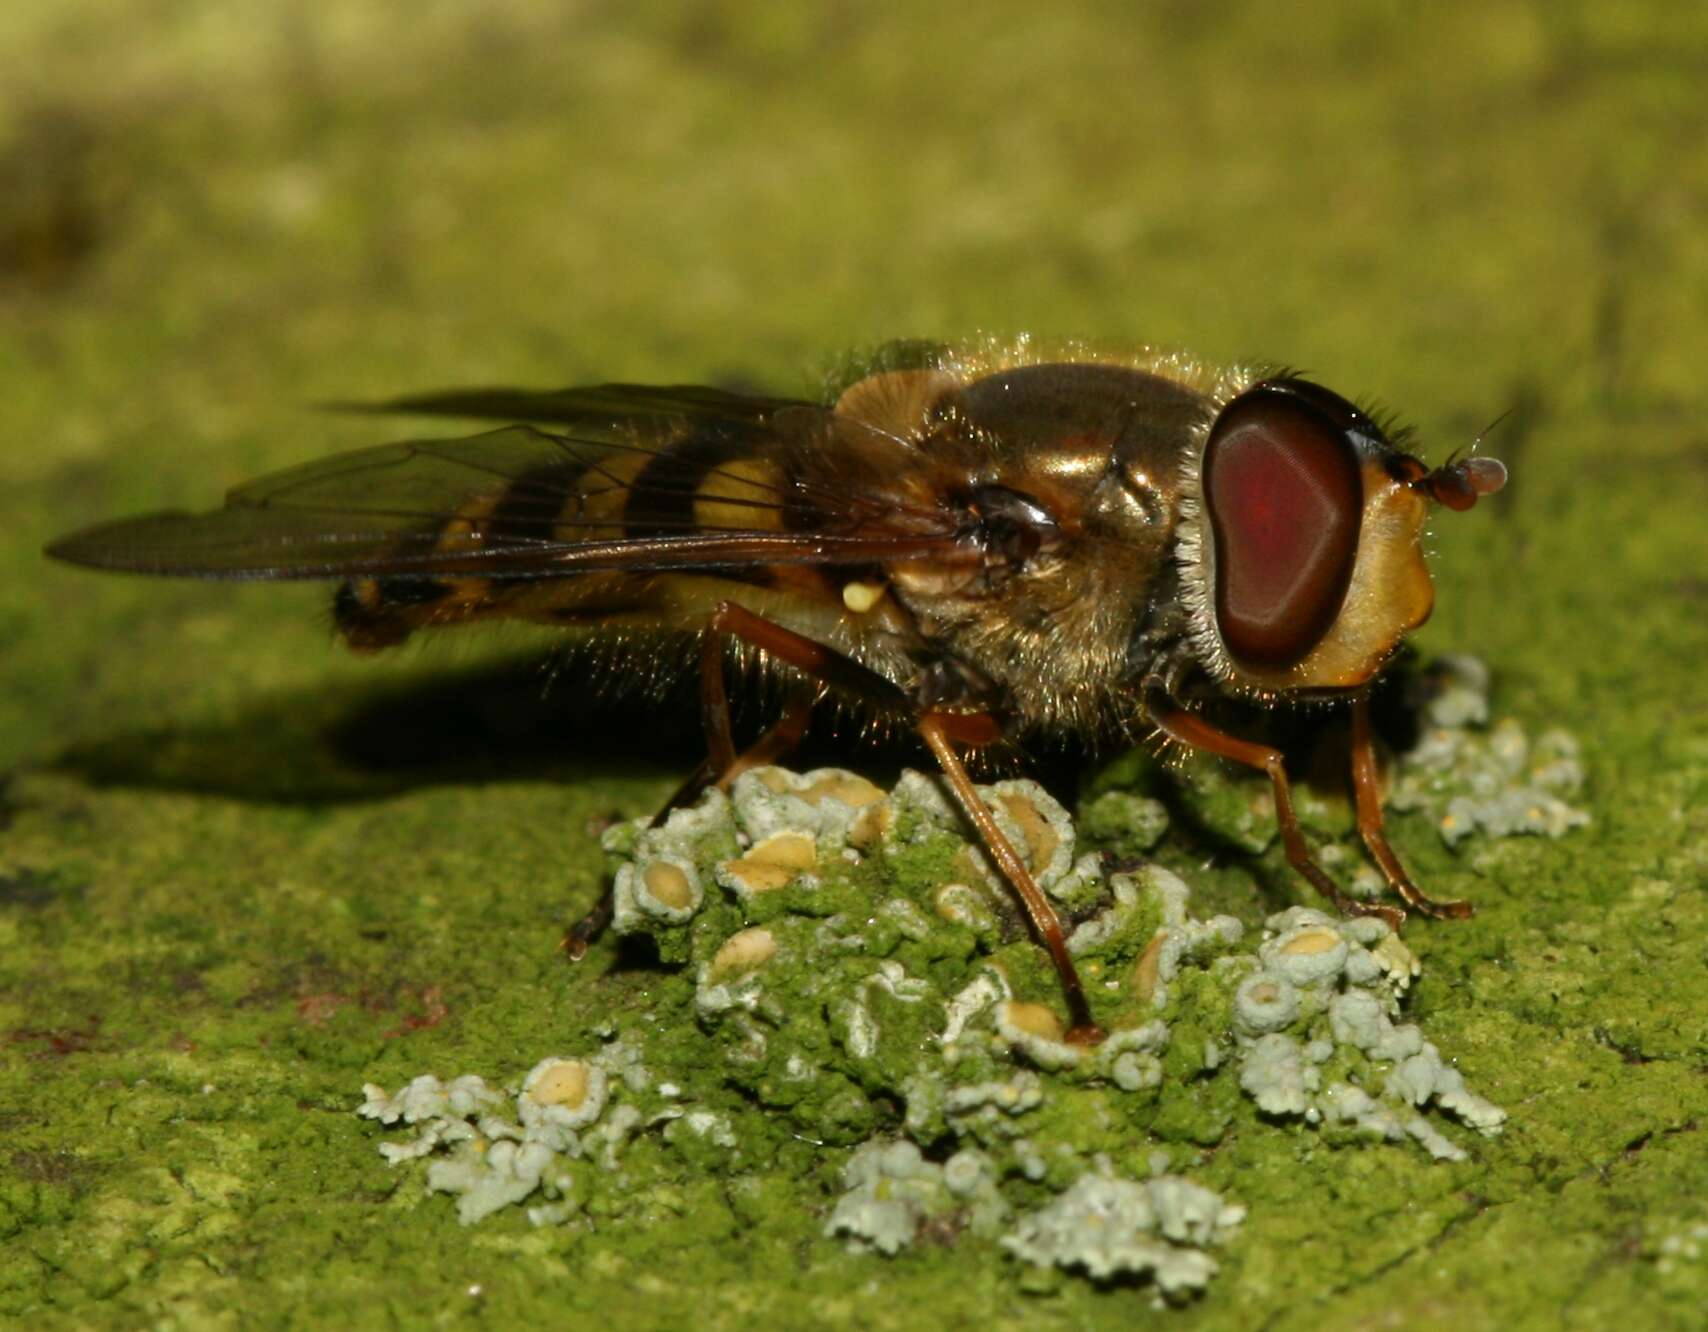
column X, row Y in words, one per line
column 985, row 543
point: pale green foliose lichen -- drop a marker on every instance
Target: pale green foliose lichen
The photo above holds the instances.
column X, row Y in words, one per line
column 1315, row 1037
column 1472, row 778
column 485, row 1158
column 1109, row 1227
column 893, row 1192
column 851, row 973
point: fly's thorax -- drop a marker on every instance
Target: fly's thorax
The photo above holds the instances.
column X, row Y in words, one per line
column 1063, row 481
column 1300, row 546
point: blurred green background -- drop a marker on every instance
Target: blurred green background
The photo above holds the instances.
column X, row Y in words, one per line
column 231, row 890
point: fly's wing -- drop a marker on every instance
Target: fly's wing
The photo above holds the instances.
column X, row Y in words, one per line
column 593, row 405
column 649, row 480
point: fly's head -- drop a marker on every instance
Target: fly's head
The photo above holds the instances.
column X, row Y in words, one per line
column 1302, row 557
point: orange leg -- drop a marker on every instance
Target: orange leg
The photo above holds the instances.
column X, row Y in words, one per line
column 934, row 728
column 1368, row 794
column 714, row 709
column 1183, row 726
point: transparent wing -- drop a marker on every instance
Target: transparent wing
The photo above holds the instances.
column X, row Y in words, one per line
column 521, row 502
column 596, row 404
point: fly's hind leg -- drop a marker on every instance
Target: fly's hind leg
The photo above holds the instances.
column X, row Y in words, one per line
column 1368, row 795
column 721, row 766
column 1196, row 733
column 941, row 731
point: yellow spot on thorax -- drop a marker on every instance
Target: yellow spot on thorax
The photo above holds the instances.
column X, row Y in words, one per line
column 861, row 597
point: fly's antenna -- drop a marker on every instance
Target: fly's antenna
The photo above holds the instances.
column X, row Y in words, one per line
column 1489, row 429
column 1461, row 482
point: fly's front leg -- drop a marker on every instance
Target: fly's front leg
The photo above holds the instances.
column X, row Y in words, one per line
column 1193, row 731
column 1368, row 795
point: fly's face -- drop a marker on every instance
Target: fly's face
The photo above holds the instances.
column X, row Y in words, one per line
column 1302, row 550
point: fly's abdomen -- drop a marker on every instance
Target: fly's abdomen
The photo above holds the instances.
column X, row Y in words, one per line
column 715, row 477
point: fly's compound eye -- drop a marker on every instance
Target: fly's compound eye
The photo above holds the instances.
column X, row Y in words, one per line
column 1284, row 495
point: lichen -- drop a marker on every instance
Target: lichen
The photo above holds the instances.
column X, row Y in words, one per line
column 851, row 973
column 1109, row 1227
column 1321, row 999
column 1471, row 778
column 490, row 1161
column 894, row 1193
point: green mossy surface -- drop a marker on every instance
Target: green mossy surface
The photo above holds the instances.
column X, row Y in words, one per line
column 223, row 907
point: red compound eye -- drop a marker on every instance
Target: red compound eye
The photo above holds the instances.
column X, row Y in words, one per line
column 1284, row 495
